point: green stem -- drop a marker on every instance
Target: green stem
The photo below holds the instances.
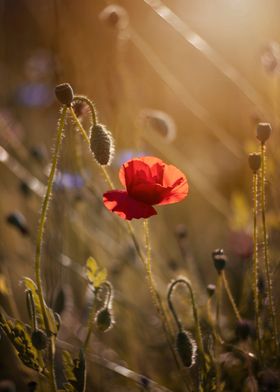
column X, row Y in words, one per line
column 154, row 293
column 40, row 235
column 218, row 302
column 266, row 257
column 256, row 263
column 230, row 296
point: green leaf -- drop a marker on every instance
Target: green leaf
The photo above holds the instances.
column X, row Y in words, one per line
column 68, row 366
column 75, row 372
column 31, row 285
column 95, row 274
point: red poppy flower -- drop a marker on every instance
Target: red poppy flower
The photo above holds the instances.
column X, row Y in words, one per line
column 148, row 181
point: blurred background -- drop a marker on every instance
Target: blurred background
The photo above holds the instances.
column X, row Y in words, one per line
column 184, row 80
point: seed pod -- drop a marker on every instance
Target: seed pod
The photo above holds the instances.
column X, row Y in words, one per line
column 219, row 259
column 101, row 144
column 104, row 320
column 211, row 288
column 263, row 131
column 39, row 339
column 186, row 348
column 255, row 161
column 64, row 94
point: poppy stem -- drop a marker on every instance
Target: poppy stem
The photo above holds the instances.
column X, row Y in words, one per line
column 256, row 263
column 266, row 256
column 230, row 296
column 43, row 217
column 155, row 295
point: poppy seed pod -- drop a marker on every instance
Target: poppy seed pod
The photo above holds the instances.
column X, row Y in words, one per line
column 211, row 288
column 39, row 339
column 263, row 131
column 186, row 348
column 64, row 94
column 104, row 320
column 255, row 161
column 101, row 144
column 219, row 259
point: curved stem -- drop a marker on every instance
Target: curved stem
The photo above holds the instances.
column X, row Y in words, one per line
column 86, row 100
column 40, row 239
column 256, row 263
column 266, row 257
column 230, row 296
column 185, row 282
column 154, row 293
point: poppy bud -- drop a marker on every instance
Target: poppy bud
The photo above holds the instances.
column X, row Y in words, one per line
column 186, row 348
column 243, row 329
column 255, row 161
column 104, row 320
column 64, row 94
column 219, row 259
column 39, row 339
column 263, row 131
column 211, row 288
column 101, row 144
column 17, row 220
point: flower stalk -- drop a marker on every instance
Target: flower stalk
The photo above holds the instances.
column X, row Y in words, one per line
column 40, row 235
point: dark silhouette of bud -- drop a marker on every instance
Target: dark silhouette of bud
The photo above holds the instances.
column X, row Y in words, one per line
column 24, row 188
column 255, row 161
column 39, row 339
column 104, row 320
column 17, row 220
column 263, row 131
column 243, row 329
column 38, row 153
column 219, row 259
column 32, row 386
column 64, row 94
column 211, row 288
column 181, row 231
column 186, row 348
column 101, row 144
column 268, row 381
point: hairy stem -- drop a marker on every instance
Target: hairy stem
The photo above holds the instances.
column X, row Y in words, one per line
column 230, row 296
column 256, row 262
column 266, row 256
column 40, row 235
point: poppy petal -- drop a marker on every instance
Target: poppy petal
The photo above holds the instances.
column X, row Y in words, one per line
column 125, row 206
column 177, row 181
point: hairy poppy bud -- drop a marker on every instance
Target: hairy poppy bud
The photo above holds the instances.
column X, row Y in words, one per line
column 263, row 131
column 64, row 94
column 219, row 259
column 211, row 288
column 186, row 348
column 104, row 320
column 101, row 144
column 255, row 161
column 243, row 329
column 39, row 339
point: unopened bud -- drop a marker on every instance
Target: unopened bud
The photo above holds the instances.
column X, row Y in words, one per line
column 39, row 339
column 64, row 94
column 104, row 320
column 101, row 144
column 211, row 288
column 219, row 259
column 186, row 348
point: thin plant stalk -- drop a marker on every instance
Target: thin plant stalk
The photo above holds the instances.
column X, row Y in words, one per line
column 40, row 235
column 256, row 262
column 230, row 296
column 218, row 301
column 266, row 256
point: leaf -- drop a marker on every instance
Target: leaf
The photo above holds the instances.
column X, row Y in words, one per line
column 95, row 274
column 74, row 371
column 31, row 285
column 20, row 338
